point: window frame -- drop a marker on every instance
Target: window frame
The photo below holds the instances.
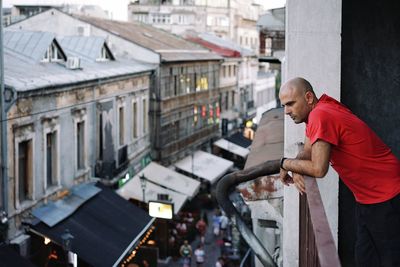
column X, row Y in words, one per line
column 22, row 134
column 48, row 129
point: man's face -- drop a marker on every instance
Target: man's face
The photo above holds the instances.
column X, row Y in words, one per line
column 295, row 104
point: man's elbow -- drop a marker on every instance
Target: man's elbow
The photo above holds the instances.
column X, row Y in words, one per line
column 320, row 172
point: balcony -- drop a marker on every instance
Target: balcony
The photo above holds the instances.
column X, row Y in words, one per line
column 258, row 181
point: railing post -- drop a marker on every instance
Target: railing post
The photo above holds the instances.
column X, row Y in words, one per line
column 327, row 252
column 226, row 185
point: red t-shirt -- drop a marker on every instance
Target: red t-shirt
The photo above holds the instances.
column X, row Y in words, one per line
column 364, row 163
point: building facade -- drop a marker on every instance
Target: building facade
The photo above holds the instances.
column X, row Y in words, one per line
column 229, row 19
column 68, row 117
column 183, row 100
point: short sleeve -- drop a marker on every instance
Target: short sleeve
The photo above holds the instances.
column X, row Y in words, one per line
column 321, row 125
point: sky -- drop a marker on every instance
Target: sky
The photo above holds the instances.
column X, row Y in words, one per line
column 117, row 7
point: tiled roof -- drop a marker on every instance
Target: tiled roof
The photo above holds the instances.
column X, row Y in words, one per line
column 227, row 43
column 152, row 38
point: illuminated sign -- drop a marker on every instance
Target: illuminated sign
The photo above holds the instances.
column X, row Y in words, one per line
column 161, row 209
column 124, row 180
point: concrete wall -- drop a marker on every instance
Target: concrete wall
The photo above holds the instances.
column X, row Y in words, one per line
column 369, row 87
column 313, row 48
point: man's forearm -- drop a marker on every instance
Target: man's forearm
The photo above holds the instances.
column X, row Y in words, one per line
column 312, row 162
column 301, row 166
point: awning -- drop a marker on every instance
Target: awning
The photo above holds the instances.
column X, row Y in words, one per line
column 105, row 228
column 10, row 258
column 205, row 165
column 132, row 189
column 239, row 139
column 170, row 179
column 232, row 147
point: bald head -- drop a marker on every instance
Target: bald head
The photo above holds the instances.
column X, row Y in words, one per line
column 298, row 98
column 300, row 85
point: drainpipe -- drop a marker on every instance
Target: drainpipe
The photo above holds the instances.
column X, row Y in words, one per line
column 3, row 119
column 226, row 185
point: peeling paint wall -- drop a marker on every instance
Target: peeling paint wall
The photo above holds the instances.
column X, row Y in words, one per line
column 313, row 49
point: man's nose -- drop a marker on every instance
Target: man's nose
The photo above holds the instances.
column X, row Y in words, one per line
column 287, row 110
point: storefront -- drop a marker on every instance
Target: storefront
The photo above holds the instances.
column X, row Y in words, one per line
column 91, row 226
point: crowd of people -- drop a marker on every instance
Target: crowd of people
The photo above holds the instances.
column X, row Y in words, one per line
column 219, row 234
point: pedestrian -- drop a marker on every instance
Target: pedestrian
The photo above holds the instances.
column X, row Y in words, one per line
column 223, row 225
column 181, row 227
column 216, row 222
column 186, row 253
column 364, row 163
column 201, row 227
column 220, row 262
column 199, row 253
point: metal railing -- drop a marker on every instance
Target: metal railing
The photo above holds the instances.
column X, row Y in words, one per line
column 226, row 185
column 327, row 252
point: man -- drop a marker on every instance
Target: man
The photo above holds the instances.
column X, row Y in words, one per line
column 201, row 227
column 364, row 163
column 186, row 253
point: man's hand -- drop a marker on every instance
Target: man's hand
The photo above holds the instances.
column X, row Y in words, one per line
column 285, row 178
column 298, row 181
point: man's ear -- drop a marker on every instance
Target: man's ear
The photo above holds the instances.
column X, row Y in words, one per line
column 309, row 97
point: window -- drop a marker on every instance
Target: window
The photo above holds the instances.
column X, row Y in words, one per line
column 226, row 106
column 105, row 54
column 195, row 116
column 25, row 170
column 80, row 145
column 134, row 120
column 51, row 159
column 182, row 19
column 204, row 83
column 121, row 126
column 100, row 137
column 145, row 116
column 53, row 54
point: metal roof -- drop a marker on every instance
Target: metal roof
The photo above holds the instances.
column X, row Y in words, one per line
column 157, row 40
column 197, row 56
column 225, row 52
column 87, row 47
column 26, row 72
column 227, row 43
column 31, row 45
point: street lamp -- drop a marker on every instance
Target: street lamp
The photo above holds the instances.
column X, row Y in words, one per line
column 66, row 238
column 143, row 185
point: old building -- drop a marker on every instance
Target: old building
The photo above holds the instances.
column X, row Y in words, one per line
column 233, row 19
column 183, row 101
column 78, row 113
column 272, row 31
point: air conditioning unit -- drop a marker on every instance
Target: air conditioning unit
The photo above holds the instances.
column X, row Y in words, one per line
column 73, row 63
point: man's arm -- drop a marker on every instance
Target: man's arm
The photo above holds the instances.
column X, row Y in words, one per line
column 304, row 153
column 316, row 166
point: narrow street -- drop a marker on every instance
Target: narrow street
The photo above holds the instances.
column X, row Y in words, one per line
column 211, row 247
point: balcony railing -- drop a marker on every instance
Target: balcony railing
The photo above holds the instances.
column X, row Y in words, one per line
column 326, row 252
